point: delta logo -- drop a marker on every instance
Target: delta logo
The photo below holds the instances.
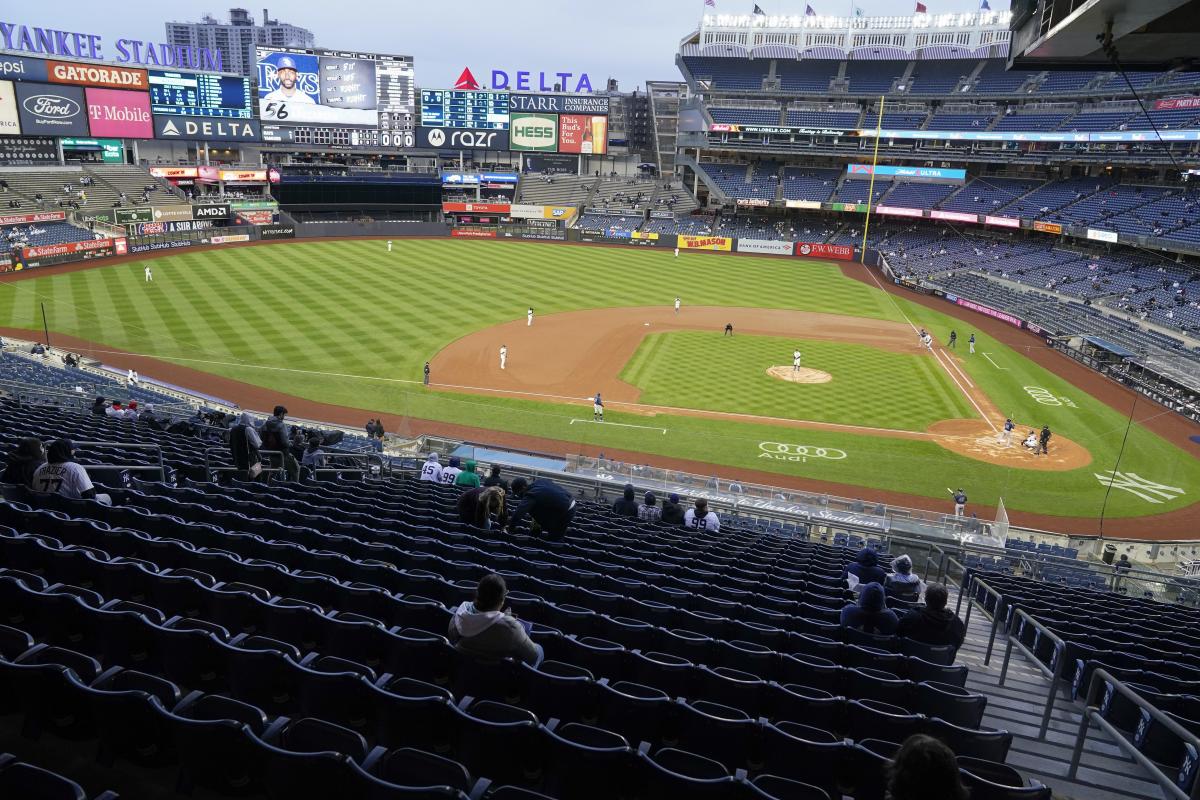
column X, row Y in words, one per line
column 526, row 81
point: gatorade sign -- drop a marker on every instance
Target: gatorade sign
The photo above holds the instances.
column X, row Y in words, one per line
column 534, row 132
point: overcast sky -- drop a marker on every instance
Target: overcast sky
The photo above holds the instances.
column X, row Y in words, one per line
column 631, row 40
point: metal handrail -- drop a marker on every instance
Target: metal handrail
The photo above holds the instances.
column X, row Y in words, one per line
column 1092, row 714
column 157, row 449
column 1053, row 672
column 210, row 469
column 968, row 589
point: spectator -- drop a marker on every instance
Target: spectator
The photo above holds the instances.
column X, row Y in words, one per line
column 115, row 410
column 62, row 475
column 377, row 440
column 934, row 624
column 672, row 511
column 626, row 506
column 477, row 507
column 870, row 614
column 700, row 518
column 99, row 408
column 493, row 478
column 131, row 411
column 275, row 436
column 313, row 457
column 550, row 507
column 924, row 768
column 450, row 471
column 480, row 628
column 649, row 511
column 468, row 476
column 865, row 569
column 431, row 470
column 244, row 444
column 23, row 462
column 901, row 582
column 370, row 428
column 1120, row 570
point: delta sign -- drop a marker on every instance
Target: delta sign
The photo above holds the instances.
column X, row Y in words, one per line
column 526, row 81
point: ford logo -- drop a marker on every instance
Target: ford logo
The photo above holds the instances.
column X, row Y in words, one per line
column 51, row 105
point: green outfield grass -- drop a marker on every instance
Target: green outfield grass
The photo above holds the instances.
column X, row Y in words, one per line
column 871, row 387
column 351, row 324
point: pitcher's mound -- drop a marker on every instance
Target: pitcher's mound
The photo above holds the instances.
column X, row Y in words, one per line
column 802, row 375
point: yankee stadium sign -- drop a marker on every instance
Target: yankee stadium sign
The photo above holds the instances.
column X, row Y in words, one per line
column 69, row 44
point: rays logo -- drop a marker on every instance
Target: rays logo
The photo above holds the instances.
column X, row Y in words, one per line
column 798, row 452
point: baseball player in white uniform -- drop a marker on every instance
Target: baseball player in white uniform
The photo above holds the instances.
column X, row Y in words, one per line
column 677, row 252
column 928, row 340
column 971, row 342
column 389, row 245
column 597, row 409
column 795, row 361
column 676, row 305
column 149, row 275
column 529, row 317
column 1006, row 437
column 503, row 355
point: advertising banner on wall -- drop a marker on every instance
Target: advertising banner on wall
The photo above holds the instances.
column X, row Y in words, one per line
column 753, row 201
column 174, row 172
column 130, row 216
column 533, row 133
column 1101, row 236
column 559, row 103
column 112, row 151
column 578, row 133
column 1003, row 316
column 954, row 216
column 526, row 211
column 23, row 69
column 1003, row 222
column 534, row 235
column 1047, row 227
column 801, row 204
column 898, row 211
column 765, row 246
column 171, row 213
column 705, row 243
column 155, row 228
column 1169, row 103
column 51, row 110
column 277, row 232
column 472, row 233
column 125, row 115
column 207, row 129
column 462, row 138
column 27, row 151
column 211, row 211
column 908, row 172
column 26, row 219
column 97, row 75
column 68, row 248
column 841, row 252
column 859, row 207
column 10, row 122
column 253, row 217
column 477, row 208
column 230, row 239
column 173, row 244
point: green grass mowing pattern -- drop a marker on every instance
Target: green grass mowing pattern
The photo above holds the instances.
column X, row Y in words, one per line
column 353, row 309
column 870, row 386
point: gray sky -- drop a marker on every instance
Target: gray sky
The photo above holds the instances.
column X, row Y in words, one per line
column 631, row 40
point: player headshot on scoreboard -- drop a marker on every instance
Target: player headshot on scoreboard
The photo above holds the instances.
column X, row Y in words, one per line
column 288, row 77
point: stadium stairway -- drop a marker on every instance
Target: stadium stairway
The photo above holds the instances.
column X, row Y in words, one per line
column 1105, row 773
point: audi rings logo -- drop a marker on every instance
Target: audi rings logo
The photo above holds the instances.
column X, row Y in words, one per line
column 1043, row 396
column 798, row 452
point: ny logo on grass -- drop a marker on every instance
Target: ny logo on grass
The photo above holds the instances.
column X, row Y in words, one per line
column 1136, row 484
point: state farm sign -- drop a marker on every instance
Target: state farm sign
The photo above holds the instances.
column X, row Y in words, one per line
column 67, row 248
column 24, row 219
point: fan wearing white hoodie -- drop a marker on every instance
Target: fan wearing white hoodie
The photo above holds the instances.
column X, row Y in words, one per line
column 482, row 629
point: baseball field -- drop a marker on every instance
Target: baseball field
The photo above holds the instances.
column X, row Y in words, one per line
column 870, row 412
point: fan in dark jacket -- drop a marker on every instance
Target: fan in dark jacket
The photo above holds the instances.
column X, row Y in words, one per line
column 626, row 506
column 866, row 568
column 672, row 511
column 23, row 462
column 244, row 444
column 870, row 614
column 934, row 624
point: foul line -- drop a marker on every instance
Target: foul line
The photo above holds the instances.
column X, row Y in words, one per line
column 622, row 424
column 994, row 364
column 949, row 371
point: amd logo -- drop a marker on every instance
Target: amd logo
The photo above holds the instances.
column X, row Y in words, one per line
column 211, row 212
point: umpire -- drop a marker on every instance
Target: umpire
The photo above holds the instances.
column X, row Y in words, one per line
column 1044, row 441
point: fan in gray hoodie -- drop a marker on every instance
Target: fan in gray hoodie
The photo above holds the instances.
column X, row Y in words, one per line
column 482, row 629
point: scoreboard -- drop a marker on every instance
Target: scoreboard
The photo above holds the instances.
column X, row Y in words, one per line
column 197, row 94
column 463, row 109
column 339, row 138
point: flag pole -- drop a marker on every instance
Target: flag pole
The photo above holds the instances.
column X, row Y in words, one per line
column 871, row 185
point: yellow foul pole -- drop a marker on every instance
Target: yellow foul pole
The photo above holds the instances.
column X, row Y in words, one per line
column 871, row 185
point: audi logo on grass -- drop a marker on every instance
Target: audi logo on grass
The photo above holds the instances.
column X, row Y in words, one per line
column 780, row 451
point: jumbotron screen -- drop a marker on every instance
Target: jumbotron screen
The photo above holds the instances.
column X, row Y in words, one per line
column 316, row 91
column 451, row 108
column 200, row 94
